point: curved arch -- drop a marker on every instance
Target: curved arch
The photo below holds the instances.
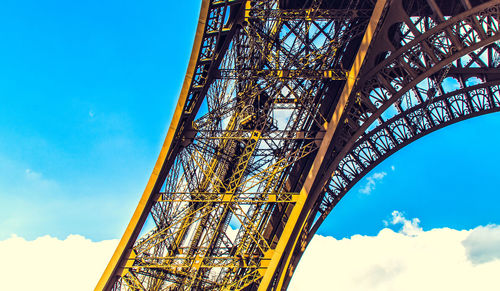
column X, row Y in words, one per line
column 395, row 34
column 340, row 184
column 456, row 107
column 424, row 54
column 407, row 67
column 394, row 77
column 428, row 57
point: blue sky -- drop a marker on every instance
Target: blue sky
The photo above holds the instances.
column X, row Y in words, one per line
column 449, row 178
column 87, row 92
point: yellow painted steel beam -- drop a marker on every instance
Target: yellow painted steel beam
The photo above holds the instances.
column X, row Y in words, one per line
column 272, row 198
column 134, row 227
column 299, row 214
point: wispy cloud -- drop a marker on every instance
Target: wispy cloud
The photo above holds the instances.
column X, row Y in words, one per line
column 32, row 175
column 409, row 227
column 36, row 182
column 371, row 182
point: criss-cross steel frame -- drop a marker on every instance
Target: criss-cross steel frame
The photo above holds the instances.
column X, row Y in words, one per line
column 285, row 106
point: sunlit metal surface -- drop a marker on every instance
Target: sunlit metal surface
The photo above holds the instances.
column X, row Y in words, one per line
column 285, row 106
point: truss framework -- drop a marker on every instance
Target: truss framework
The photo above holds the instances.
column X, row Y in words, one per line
column 279, row 117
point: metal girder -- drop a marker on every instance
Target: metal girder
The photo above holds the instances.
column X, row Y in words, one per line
column 203, row 48
column 207, row 182
column 379, row 97
column 302, row 209
column 311, row 14
column 390, row 110
column 400, row 130
column 270, row 131
column 284, row 74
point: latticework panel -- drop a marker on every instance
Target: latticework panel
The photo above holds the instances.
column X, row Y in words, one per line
column 433, row 64
column 286, row 105
column 258, row 98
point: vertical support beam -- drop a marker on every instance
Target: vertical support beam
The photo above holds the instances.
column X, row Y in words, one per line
column 435, row 8
column 282, row 255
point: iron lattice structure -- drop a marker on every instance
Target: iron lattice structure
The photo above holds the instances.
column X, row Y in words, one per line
column 285, row 106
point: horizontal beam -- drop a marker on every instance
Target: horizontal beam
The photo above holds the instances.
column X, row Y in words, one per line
column 221, row 198
column 310, row 14
column 244, row 74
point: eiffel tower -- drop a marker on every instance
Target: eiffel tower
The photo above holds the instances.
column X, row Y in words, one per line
column 286, row 104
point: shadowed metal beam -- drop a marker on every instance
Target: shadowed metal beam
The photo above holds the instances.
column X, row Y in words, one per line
column 308, row 194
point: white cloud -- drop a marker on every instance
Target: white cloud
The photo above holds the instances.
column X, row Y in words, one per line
column 393, row 168
column 410, row 226
column 281, row 116
column 232, row 233
column 411, row 259
column 48, row 263
column 483, row 244
column 371, row 182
